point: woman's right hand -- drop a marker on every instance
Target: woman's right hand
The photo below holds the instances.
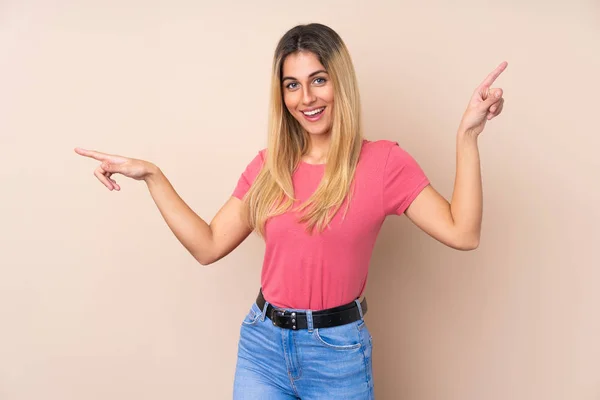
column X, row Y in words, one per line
column 113, row 164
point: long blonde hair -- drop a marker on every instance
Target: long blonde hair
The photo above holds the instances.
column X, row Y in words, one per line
column 272, row 191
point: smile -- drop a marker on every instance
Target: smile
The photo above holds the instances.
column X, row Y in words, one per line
column 314, row 112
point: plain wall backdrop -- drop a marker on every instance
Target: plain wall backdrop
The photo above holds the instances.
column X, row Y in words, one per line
column 98, row 300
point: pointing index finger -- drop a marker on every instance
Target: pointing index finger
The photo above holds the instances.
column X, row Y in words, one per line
column 92, row 154
column 487, row 82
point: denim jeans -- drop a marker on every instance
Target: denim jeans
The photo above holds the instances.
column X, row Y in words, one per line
column 309, row 364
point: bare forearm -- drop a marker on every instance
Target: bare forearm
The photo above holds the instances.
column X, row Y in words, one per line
column 467, row 199
column 191, row 230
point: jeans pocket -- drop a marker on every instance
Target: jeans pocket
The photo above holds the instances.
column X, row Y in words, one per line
column 343, row 337
column 364, row 330
column 253, row 315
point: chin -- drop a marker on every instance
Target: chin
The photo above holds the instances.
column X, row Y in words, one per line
column 318, row 130
column 313, row 131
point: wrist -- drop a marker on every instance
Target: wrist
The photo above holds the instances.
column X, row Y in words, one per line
column 466, row 137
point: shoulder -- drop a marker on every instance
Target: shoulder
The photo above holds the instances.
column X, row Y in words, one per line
column 260, row 157
column 388, row 157
column 256, row 163
column 381, row 149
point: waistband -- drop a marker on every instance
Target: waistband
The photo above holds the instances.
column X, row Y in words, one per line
column 289, row 319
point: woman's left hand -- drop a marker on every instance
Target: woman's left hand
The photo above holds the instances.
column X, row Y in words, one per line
column 485, row 104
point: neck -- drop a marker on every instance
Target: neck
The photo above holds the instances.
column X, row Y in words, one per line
column 317, row 149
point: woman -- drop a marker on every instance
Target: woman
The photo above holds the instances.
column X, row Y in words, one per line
column 318, row 195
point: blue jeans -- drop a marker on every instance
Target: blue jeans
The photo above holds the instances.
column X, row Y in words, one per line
column 326, row 363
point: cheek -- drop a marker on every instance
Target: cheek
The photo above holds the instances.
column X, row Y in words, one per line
column 290, row 100
column 327, row 96
column 330, row 96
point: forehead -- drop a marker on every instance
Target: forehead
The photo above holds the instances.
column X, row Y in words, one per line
column 301, row 64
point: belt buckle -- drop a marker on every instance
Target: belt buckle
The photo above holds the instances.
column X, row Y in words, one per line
column 277, row 316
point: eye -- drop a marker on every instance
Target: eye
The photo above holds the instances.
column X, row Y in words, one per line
column 291, row 86
column 320, row 81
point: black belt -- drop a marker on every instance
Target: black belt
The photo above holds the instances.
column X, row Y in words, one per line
column 327, row 318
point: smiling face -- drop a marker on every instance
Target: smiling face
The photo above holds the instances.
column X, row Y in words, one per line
column 308, row 92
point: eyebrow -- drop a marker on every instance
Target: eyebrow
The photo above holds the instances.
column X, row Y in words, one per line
column 310, row 76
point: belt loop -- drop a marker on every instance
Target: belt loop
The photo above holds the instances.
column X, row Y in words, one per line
column 309, row 320
column 359, row 308
column 264, row 311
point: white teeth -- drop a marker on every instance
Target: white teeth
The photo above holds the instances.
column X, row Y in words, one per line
column 314, row 112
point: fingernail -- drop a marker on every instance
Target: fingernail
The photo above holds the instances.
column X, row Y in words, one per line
column 498, row 94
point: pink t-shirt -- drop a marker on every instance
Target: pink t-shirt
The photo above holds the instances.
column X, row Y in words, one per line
column 329, row 269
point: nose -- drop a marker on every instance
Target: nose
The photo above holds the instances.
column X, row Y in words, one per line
column 308, row 96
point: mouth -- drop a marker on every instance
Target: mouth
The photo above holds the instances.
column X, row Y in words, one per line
column 314, row 114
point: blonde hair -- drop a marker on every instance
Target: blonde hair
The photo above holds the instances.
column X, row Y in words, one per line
column 272, row 191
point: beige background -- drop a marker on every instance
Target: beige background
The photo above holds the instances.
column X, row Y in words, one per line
column 99, row 301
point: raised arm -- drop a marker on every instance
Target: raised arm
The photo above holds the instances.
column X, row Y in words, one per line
column 458, row 223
